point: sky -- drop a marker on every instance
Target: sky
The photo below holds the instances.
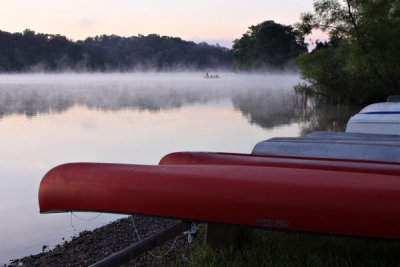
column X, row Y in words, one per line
column 212, row 21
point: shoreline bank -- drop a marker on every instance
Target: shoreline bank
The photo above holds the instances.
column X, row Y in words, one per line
column 91, row 246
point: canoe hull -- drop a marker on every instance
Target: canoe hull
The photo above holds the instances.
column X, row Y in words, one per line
column 332, row 202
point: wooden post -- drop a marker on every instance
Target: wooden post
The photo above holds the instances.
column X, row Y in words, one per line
column 219, row 235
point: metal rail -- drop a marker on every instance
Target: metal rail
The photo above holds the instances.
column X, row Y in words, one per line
column 134, row 250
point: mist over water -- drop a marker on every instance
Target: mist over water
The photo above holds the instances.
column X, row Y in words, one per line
column 33, row 94
column 136, row 118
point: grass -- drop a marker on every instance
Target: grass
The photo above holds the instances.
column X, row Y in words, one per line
column 286, row 249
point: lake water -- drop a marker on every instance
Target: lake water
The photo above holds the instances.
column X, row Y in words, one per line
column 47, row 120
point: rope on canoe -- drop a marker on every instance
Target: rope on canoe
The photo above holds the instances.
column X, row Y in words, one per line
column 82, row 219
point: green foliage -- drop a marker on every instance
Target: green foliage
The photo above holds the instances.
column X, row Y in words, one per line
column 334, row 72
column 21, row 51
column 361, row 63
column 29, row 51
column 272, row 248
column 267, row 44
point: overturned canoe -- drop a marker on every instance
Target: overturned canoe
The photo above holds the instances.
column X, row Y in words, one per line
column 333, row 164
column 304, row 147
column 378, row 118
column 334, row 202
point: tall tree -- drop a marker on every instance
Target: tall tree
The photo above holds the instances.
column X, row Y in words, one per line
column 267, row 44
column 370, row 30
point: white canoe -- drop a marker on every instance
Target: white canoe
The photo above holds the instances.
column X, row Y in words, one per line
column 378, row 118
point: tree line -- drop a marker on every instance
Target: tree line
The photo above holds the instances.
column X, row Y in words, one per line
column 30, row 51
column 266, row 45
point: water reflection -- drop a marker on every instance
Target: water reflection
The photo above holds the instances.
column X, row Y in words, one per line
column 314, row 116
column 267, row 109
column 267, row 101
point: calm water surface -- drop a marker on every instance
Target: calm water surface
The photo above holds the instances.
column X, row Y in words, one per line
column 47, row 120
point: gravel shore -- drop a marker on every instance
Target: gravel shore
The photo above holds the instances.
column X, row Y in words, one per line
column 91, row 246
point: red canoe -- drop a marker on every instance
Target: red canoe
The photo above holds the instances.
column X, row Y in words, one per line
column 333, row 164
column 335, row 202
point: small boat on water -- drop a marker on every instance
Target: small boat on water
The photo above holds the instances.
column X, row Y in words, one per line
column 378, row 118
column 211, row 76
